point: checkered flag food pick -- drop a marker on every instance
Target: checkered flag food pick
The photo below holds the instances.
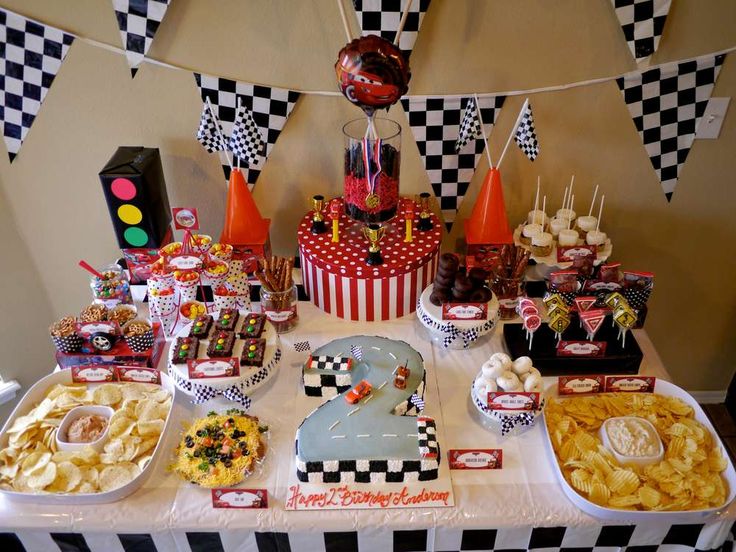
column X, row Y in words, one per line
column 470, row 128
column 209, row 133
column 525, row 135
column 270, row 108
column 382, row 17
column 417, row 401
column 434, row 122
column 642, row 22
column 30, row 56
column 302, row 346
column 357, row 352
column 666, row 105
column 138, row 21
column 245, row 141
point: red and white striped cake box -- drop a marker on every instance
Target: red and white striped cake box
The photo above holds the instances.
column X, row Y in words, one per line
column 340, row 282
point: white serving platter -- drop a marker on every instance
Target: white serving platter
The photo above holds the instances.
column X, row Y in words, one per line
column 661, row 388
column 35, row 395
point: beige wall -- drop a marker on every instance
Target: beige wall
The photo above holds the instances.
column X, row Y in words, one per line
column 465, row 46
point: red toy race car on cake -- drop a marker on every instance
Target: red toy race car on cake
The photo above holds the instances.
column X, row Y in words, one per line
column 363, row 389
column 402, row 374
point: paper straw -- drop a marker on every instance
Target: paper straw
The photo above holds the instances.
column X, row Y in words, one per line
column 344, row 20
column 595, row 193
column 600, row 212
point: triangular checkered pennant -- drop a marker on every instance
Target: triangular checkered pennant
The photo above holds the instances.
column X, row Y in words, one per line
column 270, row 107
column 470, row 127
column 525, row 135
column 210, row 133
column 246, row 142
column 382, row 17
column 30, row 56
column 138, row 21
column 434, row 122
column 642, row 22
column 666, row 104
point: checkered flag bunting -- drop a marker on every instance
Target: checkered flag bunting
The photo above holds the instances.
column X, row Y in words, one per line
column 138, row 21
column 666, row 104
column 210, row 133
column 642, row 22
column 270, row 108
column 302, row 346
column 525, row 135
column 31, row 54
column 382, row 17
column 470, row 128
column 245, row 142
column 434, row 121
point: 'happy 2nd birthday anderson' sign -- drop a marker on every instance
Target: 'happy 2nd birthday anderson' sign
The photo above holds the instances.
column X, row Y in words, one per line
column 322, row 497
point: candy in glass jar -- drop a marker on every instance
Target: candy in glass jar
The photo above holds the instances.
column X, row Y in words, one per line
column 113, row 288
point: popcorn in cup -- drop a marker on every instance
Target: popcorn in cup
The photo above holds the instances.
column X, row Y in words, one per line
column 138, row 335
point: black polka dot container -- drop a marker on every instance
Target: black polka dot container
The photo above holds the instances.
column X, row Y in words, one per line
column 339, row 281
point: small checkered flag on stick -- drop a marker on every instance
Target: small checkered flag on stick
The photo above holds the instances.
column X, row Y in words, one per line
column 209, row 133
column 302, row 346
column 417, row 401
column 138, row 21
column 245, row 142
column 471, row 127
column 524, row 134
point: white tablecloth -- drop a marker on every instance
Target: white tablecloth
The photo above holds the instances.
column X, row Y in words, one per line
column 505, row 509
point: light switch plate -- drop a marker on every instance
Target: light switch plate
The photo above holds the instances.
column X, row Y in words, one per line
column 715, row 113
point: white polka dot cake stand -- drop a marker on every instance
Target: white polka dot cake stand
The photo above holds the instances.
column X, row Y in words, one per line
column 339, row 281
column 455, row 334
column 250, row 378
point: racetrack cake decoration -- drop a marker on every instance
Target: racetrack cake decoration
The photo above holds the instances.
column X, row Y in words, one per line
column 365, row 433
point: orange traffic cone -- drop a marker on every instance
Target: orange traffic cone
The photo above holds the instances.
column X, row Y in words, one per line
column 243, row 222
column 488, row 223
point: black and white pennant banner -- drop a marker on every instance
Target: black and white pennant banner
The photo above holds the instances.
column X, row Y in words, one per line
column 382, row 17
column 268, row 106
column 138, row 21
column 642, row 22
column 435, row 122
column 31, row 54
column 666, row 104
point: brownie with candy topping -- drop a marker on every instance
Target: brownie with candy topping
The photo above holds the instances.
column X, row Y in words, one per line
column 253, row 352
column 221, row 344
column 201, row 326
column 227, row 319
column 185, row 348
column 253, row 325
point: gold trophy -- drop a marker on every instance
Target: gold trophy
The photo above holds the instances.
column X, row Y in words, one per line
column 374, row 233
column 318, row 220
column 425, row 221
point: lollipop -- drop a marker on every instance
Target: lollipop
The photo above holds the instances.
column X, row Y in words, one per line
column 592, row 320
column 372, row 73
column 559, row 324
column 531, row 324
column 625, row 318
